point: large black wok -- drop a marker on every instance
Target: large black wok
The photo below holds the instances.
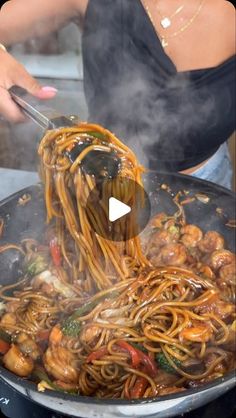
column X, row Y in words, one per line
column 29, row 221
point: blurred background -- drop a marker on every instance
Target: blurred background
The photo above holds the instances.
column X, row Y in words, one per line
column 56, row 61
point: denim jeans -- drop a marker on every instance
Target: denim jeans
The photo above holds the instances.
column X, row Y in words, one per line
column 218, row 168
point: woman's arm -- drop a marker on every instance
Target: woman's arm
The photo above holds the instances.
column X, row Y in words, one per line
column 20, row 20
column 23, row 19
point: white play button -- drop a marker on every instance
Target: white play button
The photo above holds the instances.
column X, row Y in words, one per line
column 123, row 214
column 117, row 209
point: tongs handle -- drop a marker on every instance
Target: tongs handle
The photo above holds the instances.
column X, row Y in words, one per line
column 47, row 118
column 97, row 162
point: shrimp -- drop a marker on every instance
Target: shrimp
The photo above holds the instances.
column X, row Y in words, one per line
column 206, row 271
column 61, row 364
column 227, row 281
column 171, row 255
column 216, row 306
column 224, row 309
column 158, row 220
column 211, row 241
column 56, row 335
column 220, row 258
column 15, row 361
column 230, row 343
column 199, row 334
column 191, row 235
column 28, row 346
column 228, row 274
column 89, row 334
column 158, row 240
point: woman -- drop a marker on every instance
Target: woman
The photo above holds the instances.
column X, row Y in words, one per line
column 160, row 73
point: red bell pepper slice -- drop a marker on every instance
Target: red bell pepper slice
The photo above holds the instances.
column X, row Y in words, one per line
column 96, row 355
column 139, row 388
column 55, row 252
column 133, row 352
column 139, row 358
column 4, row 346
column 149, row 364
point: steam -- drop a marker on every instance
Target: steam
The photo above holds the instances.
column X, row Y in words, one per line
column 147, row 119
column 155, row 110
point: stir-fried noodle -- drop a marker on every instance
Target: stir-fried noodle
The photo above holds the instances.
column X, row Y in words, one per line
column 112, row 319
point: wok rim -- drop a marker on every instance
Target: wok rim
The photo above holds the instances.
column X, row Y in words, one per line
column 31, row 386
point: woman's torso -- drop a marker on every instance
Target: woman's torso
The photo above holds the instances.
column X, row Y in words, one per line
column 173, row 119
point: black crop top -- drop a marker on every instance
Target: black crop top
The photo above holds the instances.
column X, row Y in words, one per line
column 173, row 120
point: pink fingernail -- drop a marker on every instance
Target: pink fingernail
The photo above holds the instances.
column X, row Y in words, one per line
column 49, row 89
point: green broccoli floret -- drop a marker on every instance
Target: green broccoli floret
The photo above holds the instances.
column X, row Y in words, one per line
column 164, row 363
column 71, row 327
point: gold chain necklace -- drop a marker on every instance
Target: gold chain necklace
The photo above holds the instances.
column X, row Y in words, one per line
column 164, row 39
column 166, row 20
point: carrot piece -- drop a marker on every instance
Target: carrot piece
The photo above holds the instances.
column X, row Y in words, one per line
column 55, row 336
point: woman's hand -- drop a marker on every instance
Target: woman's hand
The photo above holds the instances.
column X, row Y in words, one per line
column 13, row 73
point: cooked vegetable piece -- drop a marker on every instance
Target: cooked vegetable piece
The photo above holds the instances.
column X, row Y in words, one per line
column 36, row 265
column 139, row 388
column 139, row 358
column 40, row 374
column 98, row 135
column 140, row 347
column 165, row 364
column 4, row 347
column 55, row 250
column 88, row 306
column 96, row 355
column 71, row 327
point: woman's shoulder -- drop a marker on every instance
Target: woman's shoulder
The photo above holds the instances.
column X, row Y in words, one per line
column 221, row 16
column 223, row 5
column 81, row 6
column 228, row 6
column 222, row 11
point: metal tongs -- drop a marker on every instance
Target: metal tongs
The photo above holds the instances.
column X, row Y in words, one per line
column 98, row 162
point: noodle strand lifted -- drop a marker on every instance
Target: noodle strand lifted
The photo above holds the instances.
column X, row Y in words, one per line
column 66, row 194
